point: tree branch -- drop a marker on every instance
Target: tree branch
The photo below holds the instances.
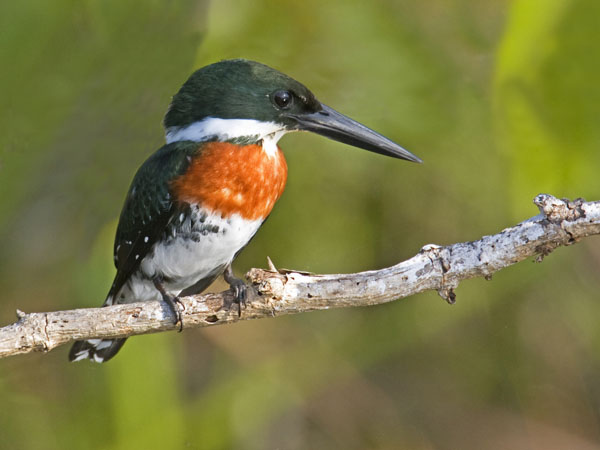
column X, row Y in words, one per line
column 560, row 222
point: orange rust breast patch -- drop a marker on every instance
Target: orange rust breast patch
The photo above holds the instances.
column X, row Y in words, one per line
column 229, row 179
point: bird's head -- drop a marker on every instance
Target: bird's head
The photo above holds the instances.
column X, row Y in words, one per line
column 247, row 102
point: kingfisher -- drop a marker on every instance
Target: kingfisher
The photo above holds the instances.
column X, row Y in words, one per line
column 195, row 203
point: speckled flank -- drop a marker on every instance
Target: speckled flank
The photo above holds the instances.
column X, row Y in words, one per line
column 232, row 179
column 197, row 248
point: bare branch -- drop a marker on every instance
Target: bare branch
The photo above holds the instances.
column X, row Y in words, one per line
column 560, row 222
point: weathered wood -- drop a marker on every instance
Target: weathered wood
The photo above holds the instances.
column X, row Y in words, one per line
column 560, row 223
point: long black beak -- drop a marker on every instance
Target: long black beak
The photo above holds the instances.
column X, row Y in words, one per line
column 330, row 123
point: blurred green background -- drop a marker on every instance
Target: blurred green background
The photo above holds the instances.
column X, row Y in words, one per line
column 500, row 99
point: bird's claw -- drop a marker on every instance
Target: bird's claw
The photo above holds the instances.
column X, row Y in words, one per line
column 172, row 302
column 176, row 307
column 178, row 310
column 241, row 292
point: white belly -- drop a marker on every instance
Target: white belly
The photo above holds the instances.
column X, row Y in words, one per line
column 203, row 243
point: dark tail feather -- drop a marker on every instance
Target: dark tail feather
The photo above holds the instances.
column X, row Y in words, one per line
column 98, row 350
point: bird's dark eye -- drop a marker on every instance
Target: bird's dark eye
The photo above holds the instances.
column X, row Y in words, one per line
column 283, row 99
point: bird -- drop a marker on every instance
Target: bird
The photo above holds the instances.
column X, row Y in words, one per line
column 194, row 204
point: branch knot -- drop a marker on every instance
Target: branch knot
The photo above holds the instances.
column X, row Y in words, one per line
column 557, row 211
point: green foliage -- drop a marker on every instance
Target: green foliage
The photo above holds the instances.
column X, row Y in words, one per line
column 501, row 101
column 546, row 104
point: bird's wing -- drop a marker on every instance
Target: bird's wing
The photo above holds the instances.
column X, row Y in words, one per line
column 148, row 209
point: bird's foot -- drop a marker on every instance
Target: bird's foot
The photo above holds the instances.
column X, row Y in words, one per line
column 240, row 290
column 176, row 308
column 172, row 302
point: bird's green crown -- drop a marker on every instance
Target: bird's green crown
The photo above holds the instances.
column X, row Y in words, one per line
column 239, row 89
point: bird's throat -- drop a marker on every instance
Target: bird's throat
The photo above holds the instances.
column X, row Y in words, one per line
column 238, row 131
